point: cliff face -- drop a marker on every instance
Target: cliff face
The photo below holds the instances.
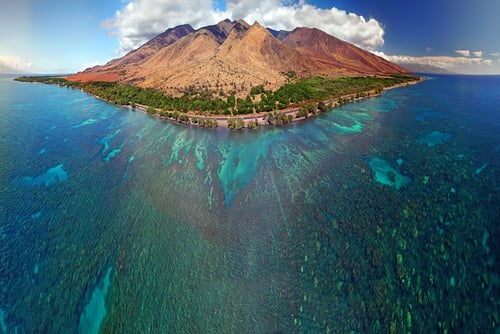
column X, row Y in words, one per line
column 233, row 56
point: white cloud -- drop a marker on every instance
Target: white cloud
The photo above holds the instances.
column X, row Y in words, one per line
column 347, row 26
column 465, row 53
column 11, row 63
column 140, row 20
column 478, row 53
column 456, row 64
column 487, row 62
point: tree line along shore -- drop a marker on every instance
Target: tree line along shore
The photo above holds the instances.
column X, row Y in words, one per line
column 298, row 99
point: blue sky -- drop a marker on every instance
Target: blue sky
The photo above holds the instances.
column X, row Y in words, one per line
column 59, row 36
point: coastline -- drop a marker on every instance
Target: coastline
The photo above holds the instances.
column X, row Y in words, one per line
column 262, row 117
column 301, row 111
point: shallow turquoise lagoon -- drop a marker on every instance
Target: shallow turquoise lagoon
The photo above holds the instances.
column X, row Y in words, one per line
column 380, row 216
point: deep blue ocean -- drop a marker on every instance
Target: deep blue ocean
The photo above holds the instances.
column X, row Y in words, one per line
column 380, row 216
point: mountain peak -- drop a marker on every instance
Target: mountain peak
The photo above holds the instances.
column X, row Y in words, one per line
column 256, row 28
column 243, row 23
column 233, row 56
column 331, row 51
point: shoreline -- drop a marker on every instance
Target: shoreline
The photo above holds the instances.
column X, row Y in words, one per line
column 281, row 117
column 223, row 121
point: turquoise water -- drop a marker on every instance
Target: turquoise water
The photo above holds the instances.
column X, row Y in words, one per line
column 380, row 216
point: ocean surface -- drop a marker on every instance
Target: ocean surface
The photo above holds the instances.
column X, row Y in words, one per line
column 381, row 216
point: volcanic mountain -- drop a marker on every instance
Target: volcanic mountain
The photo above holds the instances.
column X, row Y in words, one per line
column 234, row 56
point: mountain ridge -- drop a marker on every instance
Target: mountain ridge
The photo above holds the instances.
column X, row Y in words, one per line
column 233, row 56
